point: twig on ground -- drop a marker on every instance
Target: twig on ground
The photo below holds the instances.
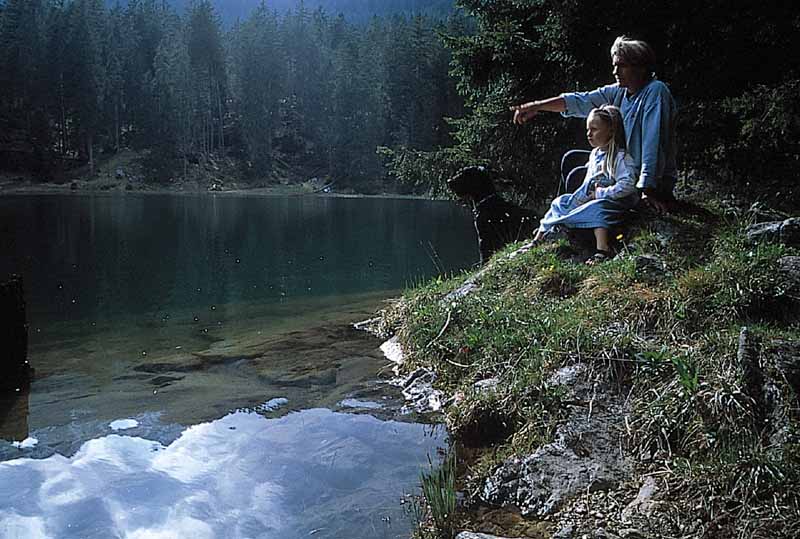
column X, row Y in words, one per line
column 441, row 331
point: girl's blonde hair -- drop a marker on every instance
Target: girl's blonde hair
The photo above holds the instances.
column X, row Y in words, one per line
column 612, row 117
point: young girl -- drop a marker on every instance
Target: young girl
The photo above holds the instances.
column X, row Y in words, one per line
column 608, row 190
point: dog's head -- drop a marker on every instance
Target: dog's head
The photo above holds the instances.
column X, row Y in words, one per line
column 475, row 182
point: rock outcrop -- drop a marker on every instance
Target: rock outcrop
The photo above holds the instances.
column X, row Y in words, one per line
column 585, row 455
column 417, row 386
column 787, row 232
column 789, row 267
column 473, row 535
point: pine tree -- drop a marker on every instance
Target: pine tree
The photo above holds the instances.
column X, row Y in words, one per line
column 144, row 30
column 259, row 68
column 23, row 103
column 206, row 58
column 172, row 93
column 85, row 74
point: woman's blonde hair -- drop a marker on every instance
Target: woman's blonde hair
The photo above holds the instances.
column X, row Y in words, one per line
column 612, row 117
column 636, row 53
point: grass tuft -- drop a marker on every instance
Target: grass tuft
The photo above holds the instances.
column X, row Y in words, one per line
column 439, row 491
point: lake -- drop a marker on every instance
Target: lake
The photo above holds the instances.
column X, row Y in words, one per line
column 197, row 372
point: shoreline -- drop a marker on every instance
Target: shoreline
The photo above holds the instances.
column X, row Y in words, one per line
column 31, row 188
column 556, row 427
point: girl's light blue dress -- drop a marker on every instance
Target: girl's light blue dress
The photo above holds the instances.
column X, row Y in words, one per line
column 614, row 197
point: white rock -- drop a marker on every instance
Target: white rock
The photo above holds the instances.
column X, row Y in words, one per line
column 643, row 503
column 474, row 535
column 273, row 404
column 123, row 424
column 27, row 443
column 393, row 351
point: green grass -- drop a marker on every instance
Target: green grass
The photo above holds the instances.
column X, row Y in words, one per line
column 668, row 341
column 439, row 491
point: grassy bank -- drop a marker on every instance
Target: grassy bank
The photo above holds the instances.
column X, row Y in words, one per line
column 661, row 325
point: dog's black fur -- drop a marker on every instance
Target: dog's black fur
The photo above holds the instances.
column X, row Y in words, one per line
column 497, row 221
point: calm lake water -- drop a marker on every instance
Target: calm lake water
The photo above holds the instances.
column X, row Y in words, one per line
column 196, row 371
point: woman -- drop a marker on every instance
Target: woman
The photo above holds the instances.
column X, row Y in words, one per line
column 648, row 111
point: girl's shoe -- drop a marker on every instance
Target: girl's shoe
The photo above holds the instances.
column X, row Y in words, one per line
column 526, row 247
column 599, row 257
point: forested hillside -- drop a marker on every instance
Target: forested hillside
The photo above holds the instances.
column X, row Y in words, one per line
column 314, row 93
column 303, row 93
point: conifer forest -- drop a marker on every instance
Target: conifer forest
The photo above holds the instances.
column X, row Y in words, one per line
column 295, row 90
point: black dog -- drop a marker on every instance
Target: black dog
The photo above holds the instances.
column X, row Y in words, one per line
column 497, row 221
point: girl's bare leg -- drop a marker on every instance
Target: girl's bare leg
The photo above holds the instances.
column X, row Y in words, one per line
column 531, row 244
column 601, row 239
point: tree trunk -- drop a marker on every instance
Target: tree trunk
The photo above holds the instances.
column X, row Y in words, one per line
column 90, row 150
column 116, row 124
column 63, row 115
column 221, row 121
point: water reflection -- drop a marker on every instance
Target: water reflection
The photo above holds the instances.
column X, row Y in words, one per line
column 311, row 473
column 176, row 310
column 91, row 257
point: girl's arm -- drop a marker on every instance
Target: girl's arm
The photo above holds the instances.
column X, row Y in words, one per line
column 624, row 182
column 583, row 193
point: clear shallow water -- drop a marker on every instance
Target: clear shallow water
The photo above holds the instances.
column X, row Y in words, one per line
column 162, row 315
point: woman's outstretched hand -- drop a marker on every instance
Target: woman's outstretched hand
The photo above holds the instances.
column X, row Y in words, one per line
column 524, row 112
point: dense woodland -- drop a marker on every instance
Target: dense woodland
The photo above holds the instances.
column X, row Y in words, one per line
column 733, row 68
column 277, row 92
column 317, row 93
